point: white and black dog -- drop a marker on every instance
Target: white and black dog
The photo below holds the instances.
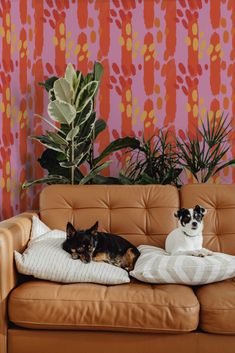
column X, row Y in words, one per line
column 187, row 238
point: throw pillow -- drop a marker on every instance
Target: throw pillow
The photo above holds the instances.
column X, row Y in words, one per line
column 44, row 258
column 155, row 265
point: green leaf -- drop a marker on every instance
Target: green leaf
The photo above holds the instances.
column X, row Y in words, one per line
column 98, row 71
column 85, row 95
column 124, row 180
column 51, row 179
column 73, row 133
column 101, row 180
column 49, row 83
column 85, row 114
column 88, row 78
column 67, row 164
column 57, row 138
column 63, row 91
column 100, row 126
column 71, row 76
column 51, row 95
column 61, row 111
column 80, row 80
column 94, row 171
column 46, row 141
column 87, row 129
column 125, row 142
column 78, row 86
column 146, row 179
column 229, row 163
column 82, row 157
column 49, row 123
column 50, row 160
column 76, row 162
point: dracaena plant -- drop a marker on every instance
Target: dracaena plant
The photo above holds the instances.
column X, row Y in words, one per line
column 71, row 142
column 154, row 161
column 204, row 154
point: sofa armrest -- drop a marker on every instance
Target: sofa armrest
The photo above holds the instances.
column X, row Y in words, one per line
column 14, row 235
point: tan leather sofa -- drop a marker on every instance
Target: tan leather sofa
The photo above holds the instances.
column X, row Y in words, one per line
column 44, row 317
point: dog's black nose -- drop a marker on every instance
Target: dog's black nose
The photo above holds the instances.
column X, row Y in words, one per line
column 194, row 224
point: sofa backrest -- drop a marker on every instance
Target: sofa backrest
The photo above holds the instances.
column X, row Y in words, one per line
column 219, row 222
column 143, row 214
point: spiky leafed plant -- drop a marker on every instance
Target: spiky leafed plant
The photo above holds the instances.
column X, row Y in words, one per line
column 203, row 154
column 69, row 146
column 155, row 161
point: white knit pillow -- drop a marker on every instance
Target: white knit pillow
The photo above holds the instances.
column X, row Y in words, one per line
column 44, row 258
column 155, row 265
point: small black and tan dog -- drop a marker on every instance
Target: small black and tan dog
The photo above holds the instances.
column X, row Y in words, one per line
column 87, row 245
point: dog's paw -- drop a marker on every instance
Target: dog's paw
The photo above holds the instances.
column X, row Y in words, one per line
column 202, row 253
column 199, row 253
column 207, row 252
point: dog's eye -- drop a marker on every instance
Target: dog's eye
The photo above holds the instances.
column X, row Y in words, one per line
column 198, row 217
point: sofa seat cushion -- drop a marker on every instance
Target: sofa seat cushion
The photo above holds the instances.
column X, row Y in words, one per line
column 126, row 307
column 217, row 301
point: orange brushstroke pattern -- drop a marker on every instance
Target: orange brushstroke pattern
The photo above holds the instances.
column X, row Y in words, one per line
column 149, row 64
column 104, row 92
column 192, row 81
column 125, row 80
column 169, row 69
column 82, row 13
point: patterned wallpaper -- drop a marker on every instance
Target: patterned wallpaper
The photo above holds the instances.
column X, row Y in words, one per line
column 166, row 63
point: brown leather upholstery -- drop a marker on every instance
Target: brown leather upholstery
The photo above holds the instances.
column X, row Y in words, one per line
column 142, row 214
column 14, row 234
column 128, row 307
column 40, row 341
column 219, row 226
column 217, row 301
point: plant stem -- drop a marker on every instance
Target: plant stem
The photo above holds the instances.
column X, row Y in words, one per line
column 72, row 157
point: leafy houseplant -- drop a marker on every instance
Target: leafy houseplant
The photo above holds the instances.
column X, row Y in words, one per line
column 203, row 155
column 155, row 161
column 158, row 160
column 69, row 146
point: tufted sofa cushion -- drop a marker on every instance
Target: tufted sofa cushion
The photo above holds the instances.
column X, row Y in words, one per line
column 219, row 222
column 217, row 307
column 143, row 214
column 136, row 307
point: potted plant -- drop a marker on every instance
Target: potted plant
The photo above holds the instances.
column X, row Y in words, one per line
column 154, row 161
column 203, row 155
column 75, row 129
column 160, row 160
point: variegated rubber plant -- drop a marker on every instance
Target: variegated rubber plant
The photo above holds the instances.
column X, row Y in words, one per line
column 75, row 128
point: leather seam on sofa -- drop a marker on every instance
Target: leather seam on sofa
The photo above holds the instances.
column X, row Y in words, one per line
column 101, row 326
column 103, row 301
column 217, row 332
column 106, row 208
column 204, row 308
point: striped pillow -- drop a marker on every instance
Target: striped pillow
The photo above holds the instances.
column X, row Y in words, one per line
column 44, row 258
column 155, row 265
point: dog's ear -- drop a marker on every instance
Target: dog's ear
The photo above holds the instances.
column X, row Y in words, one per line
column 179, row 213
column 200, row 209
column 70, row 230
column 94, row 228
